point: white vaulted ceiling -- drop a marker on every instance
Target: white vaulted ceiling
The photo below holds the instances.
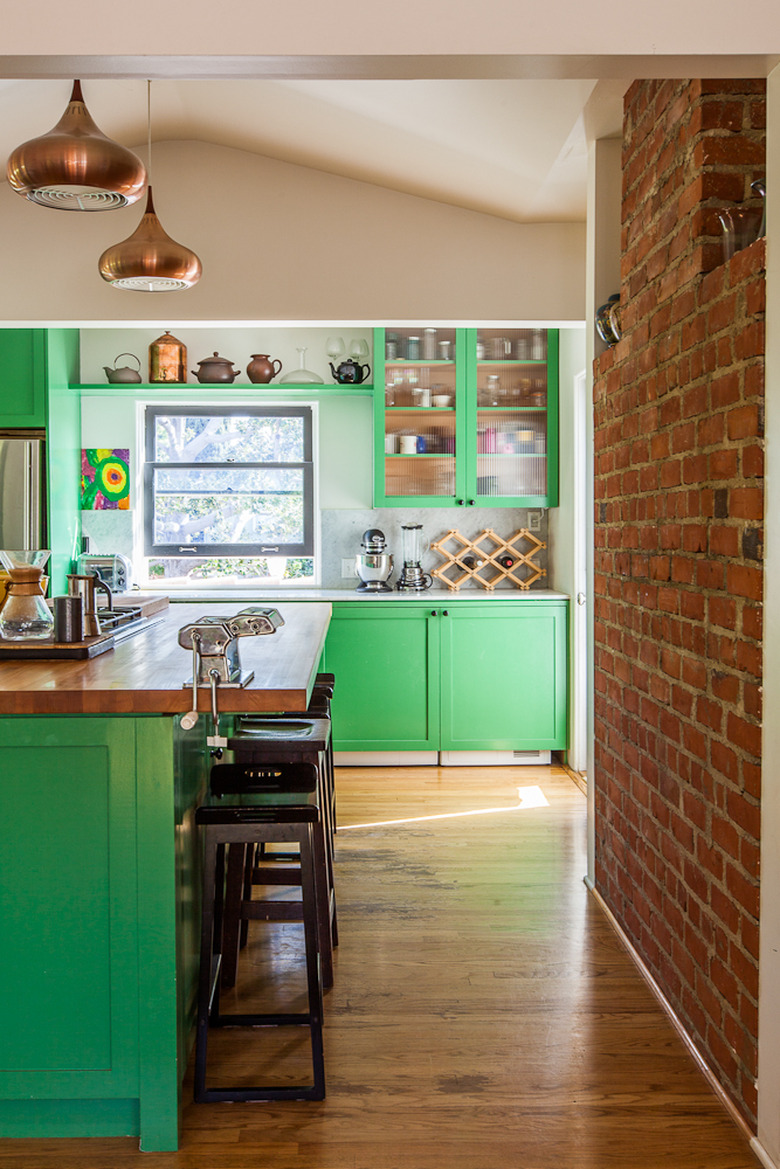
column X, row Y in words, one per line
column 510, row 148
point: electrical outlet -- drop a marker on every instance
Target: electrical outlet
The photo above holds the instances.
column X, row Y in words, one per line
column 348, row 570
column 534, row 521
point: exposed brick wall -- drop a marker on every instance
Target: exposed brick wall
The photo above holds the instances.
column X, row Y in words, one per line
column 679, row 507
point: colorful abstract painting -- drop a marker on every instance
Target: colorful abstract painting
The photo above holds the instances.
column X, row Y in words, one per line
column 105, row 479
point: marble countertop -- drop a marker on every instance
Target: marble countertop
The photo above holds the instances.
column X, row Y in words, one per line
column 439, row 595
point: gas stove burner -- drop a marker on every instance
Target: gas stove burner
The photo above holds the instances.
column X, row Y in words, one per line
column 113, row 619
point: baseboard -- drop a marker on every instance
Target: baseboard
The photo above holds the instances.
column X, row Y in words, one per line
column 441, row 758
column 676, row 1022
column 494, row 758
column 385, row 758
column 762, row 1154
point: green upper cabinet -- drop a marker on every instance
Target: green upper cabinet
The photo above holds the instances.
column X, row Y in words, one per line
column 38, row 366
column 466, row 417
column 22, row 358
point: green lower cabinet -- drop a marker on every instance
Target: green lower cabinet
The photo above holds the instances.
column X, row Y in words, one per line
column 97, row 865
column 450, row 676
column 386, row 659
column 503, row 684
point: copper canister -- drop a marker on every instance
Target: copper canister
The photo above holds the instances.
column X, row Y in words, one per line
column 167, row 360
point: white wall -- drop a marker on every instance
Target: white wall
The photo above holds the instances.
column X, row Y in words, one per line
column 407, row 29
column 769, row 987
column 280, row 242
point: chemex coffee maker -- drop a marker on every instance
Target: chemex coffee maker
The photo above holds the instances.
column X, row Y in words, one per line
column 373, row 565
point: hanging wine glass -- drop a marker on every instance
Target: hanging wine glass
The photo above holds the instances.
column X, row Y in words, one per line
column 334, row 347
column 302, row 376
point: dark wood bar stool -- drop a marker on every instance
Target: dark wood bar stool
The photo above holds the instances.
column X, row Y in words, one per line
column 319, row 707
column 279, row 805
column 264, row 743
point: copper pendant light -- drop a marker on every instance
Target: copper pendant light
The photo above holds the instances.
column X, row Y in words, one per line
column 149, row 260
column 75, row 167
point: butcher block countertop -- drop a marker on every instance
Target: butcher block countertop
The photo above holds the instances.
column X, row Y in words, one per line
column 145, row 673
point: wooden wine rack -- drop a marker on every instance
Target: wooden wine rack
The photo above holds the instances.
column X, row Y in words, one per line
column 488, row 548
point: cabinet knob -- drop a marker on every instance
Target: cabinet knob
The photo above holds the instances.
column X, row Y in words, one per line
column 434, row 613
column 459, row 502
column 445, row 613
column 472, row 502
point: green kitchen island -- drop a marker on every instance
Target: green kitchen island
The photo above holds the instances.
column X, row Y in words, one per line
column 99, row 872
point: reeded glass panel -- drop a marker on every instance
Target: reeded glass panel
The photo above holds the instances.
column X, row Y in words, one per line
column 420, row 412
column 511, row 412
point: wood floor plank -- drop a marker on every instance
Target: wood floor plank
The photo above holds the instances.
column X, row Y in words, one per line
column 484, row 1014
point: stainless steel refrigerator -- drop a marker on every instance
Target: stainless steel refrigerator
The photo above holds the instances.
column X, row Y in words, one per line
column 22, row 493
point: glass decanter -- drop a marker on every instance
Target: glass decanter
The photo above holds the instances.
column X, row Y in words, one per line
column 302, row 376
column 25, row 616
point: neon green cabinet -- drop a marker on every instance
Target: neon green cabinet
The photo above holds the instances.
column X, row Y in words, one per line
column 98, row 918
column 23, row 362
column 466, row 417
column 385, row 656
column 503, row 676
column 449, row 675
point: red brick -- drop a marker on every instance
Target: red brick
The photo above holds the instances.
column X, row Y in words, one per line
column 724, row 541
column 744, row 734
column 744, row 422
column 723, row 612
column 753, row 462
column 723, row 464
column 742, row 581
column 679, row 505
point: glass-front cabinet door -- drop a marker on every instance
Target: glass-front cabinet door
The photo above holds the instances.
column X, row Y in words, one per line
column 420, row 436
column 466, row 417
column 512, row 431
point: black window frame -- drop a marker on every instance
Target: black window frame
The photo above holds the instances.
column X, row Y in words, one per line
column 243, row 551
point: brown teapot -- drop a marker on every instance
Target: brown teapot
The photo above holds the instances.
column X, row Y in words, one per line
column 216, row 369
column 262, row 368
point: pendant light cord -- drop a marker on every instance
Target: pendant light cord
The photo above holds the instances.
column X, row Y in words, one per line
column 149, row 131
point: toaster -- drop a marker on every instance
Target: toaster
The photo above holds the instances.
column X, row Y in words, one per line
column 115, row 570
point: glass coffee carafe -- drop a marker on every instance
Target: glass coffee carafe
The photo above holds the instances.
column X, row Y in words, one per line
column 25, row 616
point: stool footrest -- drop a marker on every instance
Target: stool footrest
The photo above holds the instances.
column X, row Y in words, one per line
column 272, row 910
column 246, row 1095
column 266, row 875
column 281, row 1020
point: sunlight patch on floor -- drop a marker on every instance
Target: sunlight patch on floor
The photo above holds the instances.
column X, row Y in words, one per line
column 529, row 797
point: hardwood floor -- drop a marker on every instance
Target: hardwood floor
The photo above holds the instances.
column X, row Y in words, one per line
column 485, row 1015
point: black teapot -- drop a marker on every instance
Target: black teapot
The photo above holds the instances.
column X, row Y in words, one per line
column 350, row 373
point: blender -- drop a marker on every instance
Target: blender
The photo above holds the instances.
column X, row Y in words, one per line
column 25, row 616
column 412, row 576
column 373, row 565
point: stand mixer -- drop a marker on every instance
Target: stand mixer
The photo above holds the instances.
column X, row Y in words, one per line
column 373, row 565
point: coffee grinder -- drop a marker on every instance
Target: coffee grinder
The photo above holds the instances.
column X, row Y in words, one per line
column 412, row 577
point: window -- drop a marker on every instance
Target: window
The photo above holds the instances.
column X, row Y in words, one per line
column 229, row 492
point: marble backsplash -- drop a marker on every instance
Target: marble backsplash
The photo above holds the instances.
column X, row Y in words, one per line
column 342, row 530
